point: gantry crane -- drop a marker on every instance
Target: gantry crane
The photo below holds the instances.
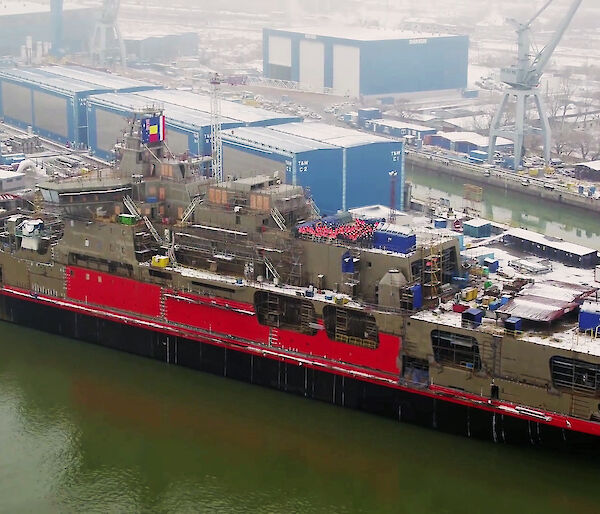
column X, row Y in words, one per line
column 523, row 79
column 106, row 38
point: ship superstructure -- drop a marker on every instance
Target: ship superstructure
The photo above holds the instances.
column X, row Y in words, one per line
column 244, row 278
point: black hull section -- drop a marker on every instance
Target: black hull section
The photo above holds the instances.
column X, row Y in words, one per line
column 290, row 378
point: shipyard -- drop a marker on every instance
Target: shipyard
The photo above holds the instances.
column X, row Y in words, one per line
column 389, row 215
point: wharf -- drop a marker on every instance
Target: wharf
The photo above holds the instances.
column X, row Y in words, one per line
column 501, row 179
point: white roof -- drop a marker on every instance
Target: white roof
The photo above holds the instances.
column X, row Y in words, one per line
column 6, row 174
column 477, row 222
column 473, row 138
column 593, row 165
column 555, row 243
column 401, row 125
column 334, row 135
column 361, row 34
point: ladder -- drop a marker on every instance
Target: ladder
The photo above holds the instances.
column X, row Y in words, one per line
column 313, row 207
column 271, row 269
column 134, row 211
column 191, row 207
column 171, row 253
column 278, row 218
column 131, row 206
column 152, row 230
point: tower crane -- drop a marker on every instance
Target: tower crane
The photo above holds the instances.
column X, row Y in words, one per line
column 106, row 37
column 216, row 136
column 523, row 80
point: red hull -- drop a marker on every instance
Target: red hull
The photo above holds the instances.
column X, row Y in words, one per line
column 233, row 325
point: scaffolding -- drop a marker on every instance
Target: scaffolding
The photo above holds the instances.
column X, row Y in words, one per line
column 432, row 272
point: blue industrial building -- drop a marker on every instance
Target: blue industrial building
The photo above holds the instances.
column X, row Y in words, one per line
column 52, row 103
column 188, row 131
column 343, row 168
column 357, row 62
column 309, row 163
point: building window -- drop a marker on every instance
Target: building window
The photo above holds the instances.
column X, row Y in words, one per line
column 580, row 376
column 455, row 349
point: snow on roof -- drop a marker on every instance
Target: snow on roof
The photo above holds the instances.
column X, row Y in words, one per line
column 99, row 78
column 270, row 139
column 175, row 114
column 338, row 136
column 361, row 34
column 473, row 138
column 593, row 165
column 477, row 223
column 232, row 110
column 386, row 122
column 551, row 242
column 7, row 174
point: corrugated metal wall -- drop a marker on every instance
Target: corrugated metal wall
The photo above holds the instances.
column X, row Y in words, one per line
column 240, row 163
column 16, row 103
column 51, row 114
column 105, row 130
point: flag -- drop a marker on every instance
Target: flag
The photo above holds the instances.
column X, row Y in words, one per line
column 153, row 129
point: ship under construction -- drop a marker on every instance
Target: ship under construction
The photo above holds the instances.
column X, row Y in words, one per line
column 245, row 279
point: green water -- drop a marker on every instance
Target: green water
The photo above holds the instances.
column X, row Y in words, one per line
column 87, row 429
column 514, row 208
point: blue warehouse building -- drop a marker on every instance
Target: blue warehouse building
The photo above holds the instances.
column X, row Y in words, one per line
column 251, row 151
column 357, row 62
column 188, row 131
column 54, row 104
column 343, row 168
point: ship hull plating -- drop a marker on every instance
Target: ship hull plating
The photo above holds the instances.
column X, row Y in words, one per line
column 290, row 377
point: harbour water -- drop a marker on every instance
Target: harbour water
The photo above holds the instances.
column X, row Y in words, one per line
column 513, row 208
column 88, row 429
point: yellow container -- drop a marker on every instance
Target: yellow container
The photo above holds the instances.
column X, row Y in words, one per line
column 160, row 261
column 474, row 293
column 486, row 300
column 534, row 172
column 549, row 170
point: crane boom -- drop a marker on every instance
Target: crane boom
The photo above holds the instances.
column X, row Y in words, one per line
column 539, row 13
column 543, row 57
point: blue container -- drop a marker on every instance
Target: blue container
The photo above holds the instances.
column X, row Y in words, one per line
column 417, row 292
column 473, row 316
column 504, row 300
column 394, row 242
column 581, row 190
column 589, row 320
column 495, row 305
column 151, row 199
column 592, row 190
column 491, row 264
column 347, row 263
column 441, row 223
column 513, row 324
